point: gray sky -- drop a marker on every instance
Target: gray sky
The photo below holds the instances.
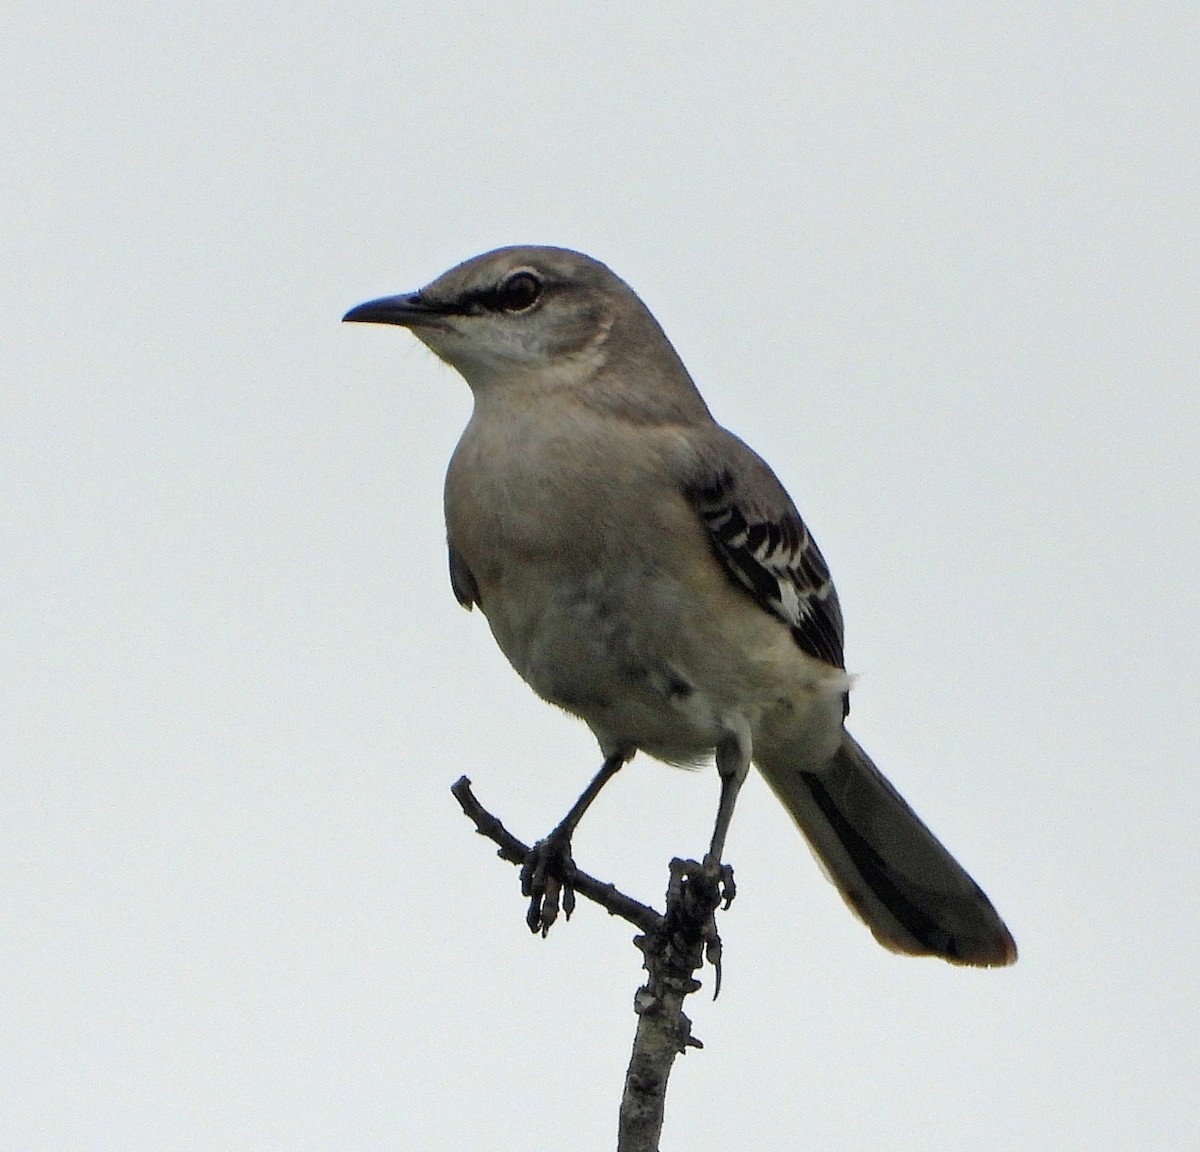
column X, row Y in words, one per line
column 940, row 270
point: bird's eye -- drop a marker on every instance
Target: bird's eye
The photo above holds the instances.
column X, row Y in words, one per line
column 518, row 292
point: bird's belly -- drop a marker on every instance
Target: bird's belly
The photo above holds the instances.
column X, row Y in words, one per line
column 633, row 654
column 594, row 647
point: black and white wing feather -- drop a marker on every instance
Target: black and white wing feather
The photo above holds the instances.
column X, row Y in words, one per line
column 766, row 549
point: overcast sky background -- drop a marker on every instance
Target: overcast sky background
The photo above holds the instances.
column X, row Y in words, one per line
column 940, row 267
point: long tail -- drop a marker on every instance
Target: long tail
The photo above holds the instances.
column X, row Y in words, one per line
column 912, row 894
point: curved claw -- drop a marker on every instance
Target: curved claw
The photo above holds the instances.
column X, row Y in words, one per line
column 720, row 876
column 703, row 889
column 546, row 879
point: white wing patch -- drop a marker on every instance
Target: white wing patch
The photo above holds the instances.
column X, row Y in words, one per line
column 777, row 561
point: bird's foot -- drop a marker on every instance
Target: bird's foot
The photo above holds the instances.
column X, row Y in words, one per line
column 720, row 876
column 695, row 894
column 546, row 879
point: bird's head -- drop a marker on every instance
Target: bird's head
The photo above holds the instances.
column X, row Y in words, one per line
column 513, row 314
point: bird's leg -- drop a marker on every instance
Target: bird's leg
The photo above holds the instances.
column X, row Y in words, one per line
column 712, row 883
column 548, row 868
column 733, row 765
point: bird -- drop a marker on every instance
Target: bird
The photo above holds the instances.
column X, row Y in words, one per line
column 644, row 569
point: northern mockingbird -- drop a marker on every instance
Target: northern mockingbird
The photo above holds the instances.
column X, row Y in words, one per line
column 643, row 569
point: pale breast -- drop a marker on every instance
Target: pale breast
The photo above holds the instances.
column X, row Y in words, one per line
column 600, row 586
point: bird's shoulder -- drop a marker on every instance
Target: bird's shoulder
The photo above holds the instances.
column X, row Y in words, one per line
column 757, row 534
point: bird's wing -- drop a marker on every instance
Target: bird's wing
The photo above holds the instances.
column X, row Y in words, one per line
column 466, row 591
column 762, row 543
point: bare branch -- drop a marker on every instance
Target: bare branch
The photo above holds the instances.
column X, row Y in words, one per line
column 613, row 901
column 673, row 946
column 671, row 957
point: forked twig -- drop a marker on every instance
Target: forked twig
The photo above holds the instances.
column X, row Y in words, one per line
column 674, row 945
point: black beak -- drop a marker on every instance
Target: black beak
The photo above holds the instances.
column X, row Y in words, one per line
column 408, row 311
